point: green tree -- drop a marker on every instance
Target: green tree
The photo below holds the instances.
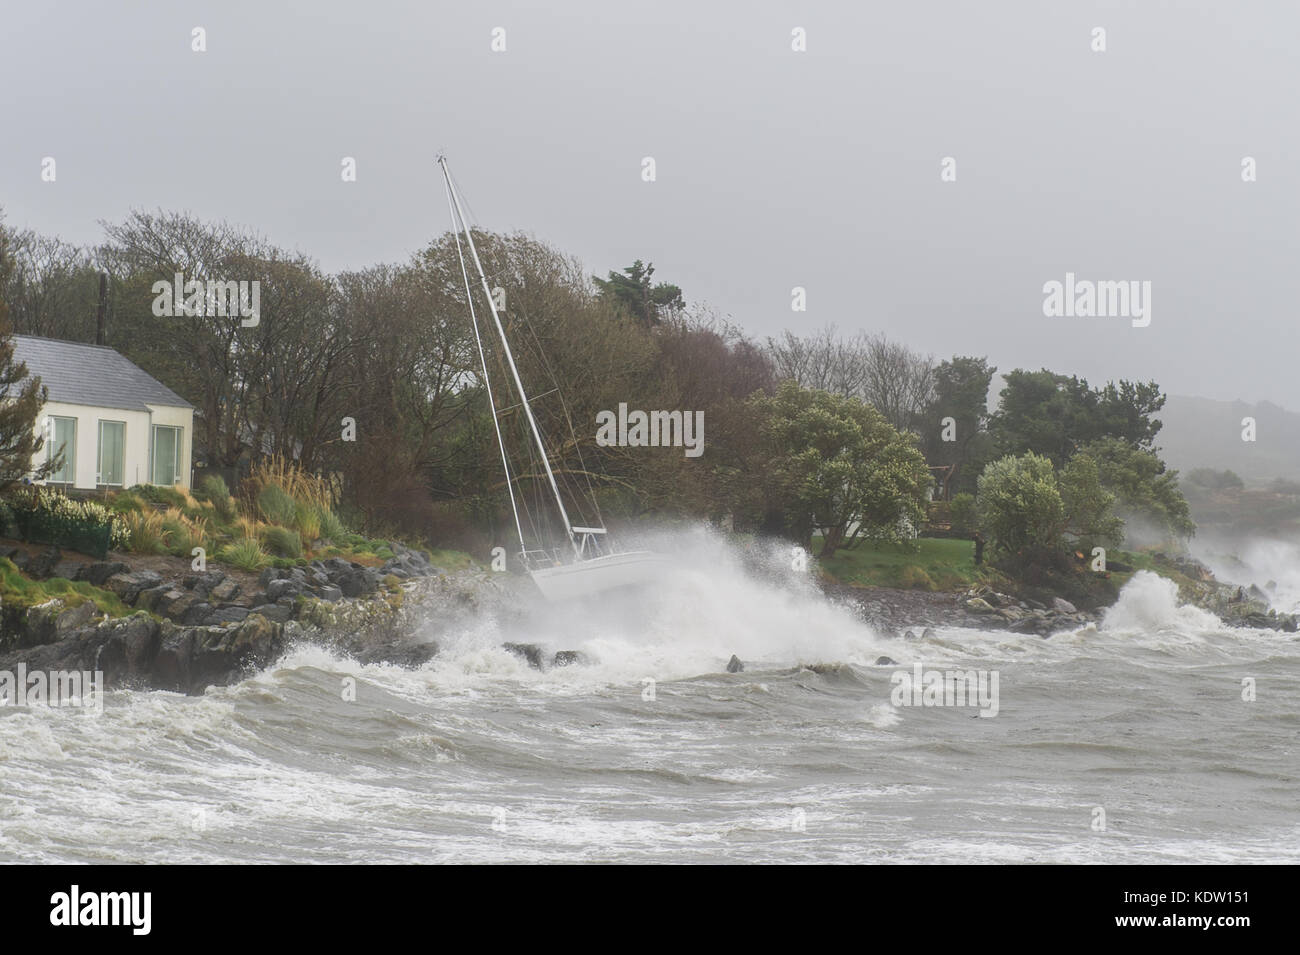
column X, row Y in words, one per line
column 839, row 467
column 1025, row 508
column 633, row 291
column 1055, row 415
column 1143, row 486
column 961, row 392
column 21, row 398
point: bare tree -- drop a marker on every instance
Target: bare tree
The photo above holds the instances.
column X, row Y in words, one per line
column 897, row 381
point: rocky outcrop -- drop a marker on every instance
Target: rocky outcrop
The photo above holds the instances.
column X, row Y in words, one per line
column 203, row 630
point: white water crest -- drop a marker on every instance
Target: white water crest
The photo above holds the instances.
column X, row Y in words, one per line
column 1149, row 604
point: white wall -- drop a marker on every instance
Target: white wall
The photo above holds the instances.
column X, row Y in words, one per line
column 139, row 439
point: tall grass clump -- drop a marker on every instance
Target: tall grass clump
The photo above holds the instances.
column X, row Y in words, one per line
column 145, row 532
column 276, row 505
column 246, row 554
column 307, row 519
column 331, row 528
column 282, row 541
column 302, row 486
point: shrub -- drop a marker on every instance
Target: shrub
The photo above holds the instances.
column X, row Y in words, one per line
column 214, row 489
column 49, row 516
column 157, row 494
column 276, row 506
column 962, row 513
column 916, row 578
column 282, row 541
column 307, row 518
column 146, row 534
column 124, row 502
column 213, row 486
column 246, row 554
column 183, row 534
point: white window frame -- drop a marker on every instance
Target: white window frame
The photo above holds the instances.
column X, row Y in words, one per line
column 99, row 454
column 70, row 460
column 153, row 451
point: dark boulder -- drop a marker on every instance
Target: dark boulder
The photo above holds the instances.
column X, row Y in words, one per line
column 100, row 571
column 43, row 564
column 127, row 586
column 273, row 612
column 526, row 651
column 734, row 665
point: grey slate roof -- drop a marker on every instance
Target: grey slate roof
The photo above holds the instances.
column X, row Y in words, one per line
column 92, row 375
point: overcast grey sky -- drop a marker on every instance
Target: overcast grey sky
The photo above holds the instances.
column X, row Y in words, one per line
column 775, row 169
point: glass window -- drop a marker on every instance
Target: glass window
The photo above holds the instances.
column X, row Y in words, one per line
column 166, row 454
column 63, row 438
column 112, row 452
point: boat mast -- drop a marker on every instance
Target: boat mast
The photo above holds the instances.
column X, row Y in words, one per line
column 496, row 425
column 510, row 358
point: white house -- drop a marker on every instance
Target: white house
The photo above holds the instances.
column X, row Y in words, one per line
column 116, row 425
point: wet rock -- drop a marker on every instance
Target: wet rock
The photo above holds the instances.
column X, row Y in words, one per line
column 909, row 635
column 127, row 586
column 285, row 587
column 171, row 665
column 224, row 592
column 67, row 569
column 224, row 615
column 202, row 584
column 270, row 574
column 176, row 603
column 100, row 571
column 404, row 655
column 1061, row 605
column 74, row 618
column 140, row 638
column 196, row 614
column 927, row 634
column 273, row 612
column 351, row 584
column 979, row 605
column 526, row 651
column 149, row 599
column 734, row 665
column 886, row 662
column 568, row 658
column 43, row 564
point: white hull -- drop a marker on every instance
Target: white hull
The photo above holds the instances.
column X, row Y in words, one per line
column 586, row 578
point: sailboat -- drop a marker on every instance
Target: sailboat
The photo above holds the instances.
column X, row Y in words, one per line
column 589, row 565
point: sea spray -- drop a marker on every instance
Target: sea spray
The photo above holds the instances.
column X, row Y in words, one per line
column 718, row 597
column 1149, row 604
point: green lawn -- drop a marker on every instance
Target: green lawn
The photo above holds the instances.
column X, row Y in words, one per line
column 924, row 564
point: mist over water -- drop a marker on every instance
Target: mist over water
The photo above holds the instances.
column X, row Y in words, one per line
column 478, row 757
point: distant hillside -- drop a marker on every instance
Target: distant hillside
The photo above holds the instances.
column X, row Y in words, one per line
column 1201, row 433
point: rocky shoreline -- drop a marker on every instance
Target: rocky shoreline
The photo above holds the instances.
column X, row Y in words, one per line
column 213, row 628
column 195, row 630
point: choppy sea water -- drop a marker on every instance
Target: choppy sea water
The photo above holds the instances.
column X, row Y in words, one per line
column 478, row 758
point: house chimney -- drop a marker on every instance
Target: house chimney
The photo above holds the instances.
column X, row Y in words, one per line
column 99, row 313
